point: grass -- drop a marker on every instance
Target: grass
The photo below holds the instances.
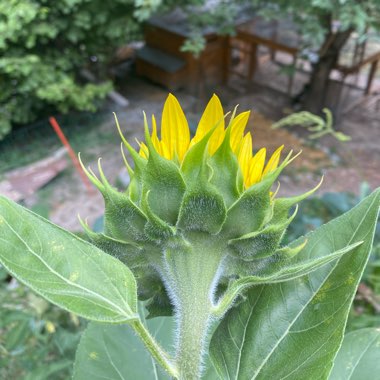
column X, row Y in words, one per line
column 34, row 142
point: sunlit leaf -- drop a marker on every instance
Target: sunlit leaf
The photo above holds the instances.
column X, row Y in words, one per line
column 65, row 269
column 293, row 330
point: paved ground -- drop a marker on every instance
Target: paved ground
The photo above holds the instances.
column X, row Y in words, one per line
column 345, row 165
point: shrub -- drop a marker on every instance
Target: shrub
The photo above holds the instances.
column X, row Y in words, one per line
column 44, row 44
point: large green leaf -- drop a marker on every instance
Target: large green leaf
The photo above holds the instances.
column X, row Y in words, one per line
column 115, row 352
column 293, row 330
column 130, row 361
column 64, row 269
column 359, row 356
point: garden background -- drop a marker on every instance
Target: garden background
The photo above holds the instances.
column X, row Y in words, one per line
column 78, row 61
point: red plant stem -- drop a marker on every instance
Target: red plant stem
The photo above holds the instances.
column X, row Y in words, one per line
column 71, row 153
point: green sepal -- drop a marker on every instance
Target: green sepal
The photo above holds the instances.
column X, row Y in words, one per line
column 227, row 176
column 195, row 165
column 259, row 244
column 159, row 308
column 135, row 185
column 139, row 261
column 202, row 209
column 250, row 211
column 287, row 253
column 134, row 189
column 253, row 209
column 155, row 228
column 282, row 206
column 128, row 253
column 137, row 159
column 164, row 180
column 123, row 220
column 149, row 283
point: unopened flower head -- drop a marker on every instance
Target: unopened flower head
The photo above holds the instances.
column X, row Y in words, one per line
column 207, row 197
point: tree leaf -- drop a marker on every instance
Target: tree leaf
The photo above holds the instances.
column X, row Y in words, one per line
column 115, row 352
column 65, row 269
column 358, row 358
column 293, row 330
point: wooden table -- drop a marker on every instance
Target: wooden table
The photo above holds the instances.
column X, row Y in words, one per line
column 276, row 35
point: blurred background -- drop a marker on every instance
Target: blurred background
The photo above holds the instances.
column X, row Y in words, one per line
column 308, row 71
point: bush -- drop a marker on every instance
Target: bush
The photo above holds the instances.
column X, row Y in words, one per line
column 44, row 44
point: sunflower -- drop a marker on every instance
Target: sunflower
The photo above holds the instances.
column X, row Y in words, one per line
column 175, row 139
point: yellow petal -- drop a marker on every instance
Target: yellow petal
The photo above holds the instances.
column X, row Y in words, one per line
column 174, row 128
column 216, row 140
column 212, row 116
column 155, row 140
column 245, row 155
column 273, row 161
column 165, row 152
column 256, row 167
column 237, row 129
column 144, row 152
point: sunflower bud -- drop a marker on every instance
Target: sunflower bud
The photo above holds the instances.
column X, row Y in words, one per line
column 198, row 213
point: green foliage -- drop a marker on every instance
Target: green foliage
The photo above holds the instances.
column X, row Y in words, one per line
column 313, row 123
column 309, row 291
column 45, row 43
column 100, row 342
column 201, row 16
column 214, row 256
column 130, row 360
column 263, row 342
column 315, row 18
column 316, row 211
column 108, row 294
column 37, row 340
column 358, row 358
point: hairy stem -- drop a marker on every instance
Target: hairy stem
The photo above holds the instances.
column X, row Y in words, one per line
column 192, row 278
column 154, row 348
column 228, row 298
column 193, row 323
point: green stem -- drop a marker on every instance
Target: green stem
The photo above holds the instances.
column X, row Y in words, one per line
column 193, row 327
column 192, row 272
column 228, row 298
column 154, row 348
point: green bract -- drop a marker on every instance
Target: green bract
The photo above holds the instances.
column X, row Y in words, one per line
column 178, row 214
column 201, row 233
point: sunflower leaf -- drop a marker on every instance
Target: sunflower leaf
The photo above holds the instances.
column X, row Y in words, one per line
column 293, row 329
column 65, row 269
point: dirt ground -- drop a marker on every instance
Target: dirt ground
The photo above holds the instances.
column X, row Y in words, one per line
column 344, row 165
